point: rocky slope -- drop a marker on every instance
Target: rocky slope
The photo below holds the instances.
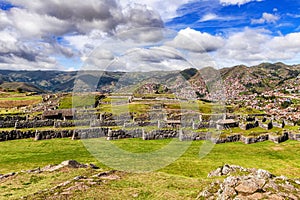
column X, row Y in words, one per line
column 242, row 183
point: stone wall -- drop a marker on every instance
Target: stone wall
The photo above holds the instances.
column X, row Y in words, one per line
column 16, row 135
column 247, row 126
column 47, row 123
column 278, row 125
column 230, row 138
column 189, row 135
column 63, row 124
column 251, row 140
column 161, row 134
column 33, row 124
column 51, row 134
column 90, row 133
column 7, row 124
column 26, row 124
column 46, row 135
column 294, row 136
column 139, row 133
column 121, row 134
column 202, row 125
column 279, row 139
column 100, row 123
column 12, row 118
column 266, row 126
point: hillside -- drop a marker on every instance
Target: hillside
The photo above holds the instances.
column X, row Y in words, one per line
column 236, row 80
column 20, row 87
column 263, row 77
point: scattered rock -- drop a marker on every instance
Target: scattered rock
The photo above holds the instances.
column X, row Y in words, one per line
column 136, row 195
column 3, row 176
column 78, row 186
column 67, row 188
column 37, row 170
column 275, row 197
column 92, row 166
column 77, row 178
column 247, row 187
column 252, row 184
column 226, row 170
column 67, row 163
column 256, row 196
column 260, row 173
column 64, row 184
column 107, row 175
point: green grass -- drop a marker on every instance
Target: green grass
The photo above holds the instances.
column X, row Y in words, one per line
column 182, row 179
column 10, row 111
column 27, row 154
column 21, row 98
column 77, row 101
column 142, row 107
column 65, row 103
column 292, row 128
column 247, row 110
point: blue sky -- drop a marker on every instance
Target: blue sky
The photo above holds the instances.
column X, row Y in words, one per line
column 65, row 35
column 225, row 18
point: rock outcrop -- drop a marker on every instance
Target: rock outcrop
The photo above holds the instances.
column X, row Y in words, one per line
column 242, row 183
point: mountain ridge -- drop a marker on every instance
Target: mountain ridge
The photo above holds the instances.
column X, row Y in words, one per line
column 264, row 76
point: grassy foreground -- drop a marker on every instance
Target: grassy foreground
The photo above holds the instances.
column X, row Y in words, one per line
column 183, row 179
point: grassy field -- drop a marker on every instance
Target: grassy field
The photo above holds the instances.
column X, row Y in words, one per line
column 9, row 100
column 183, row 179
column 279, row 158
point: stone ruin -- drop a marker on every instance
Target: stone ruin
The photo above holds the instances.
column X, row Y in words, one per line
column 242, row 183
column 104, row 125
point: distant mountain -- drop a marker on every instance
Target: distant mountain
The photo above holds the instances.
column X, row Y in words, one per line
column 236, row 80
column 263, row 77
column 20, row 87
column 58, row 81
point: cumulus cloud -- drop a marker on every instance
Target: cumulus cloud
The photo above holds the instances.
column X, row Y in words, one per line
column 195, row 41
column 236, row 2
column 14, row 52
column 128, row 36
column 160, row 58
column 253, row 46
column 245, row 46
column 285, row 47
column 166, row 9
column 82, row 16
column 81, row 25
column 266, row 18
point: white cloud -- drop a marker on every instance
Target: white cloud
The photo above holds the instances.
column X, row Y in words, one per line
column 212, row 16
column 84, row 24
column 288, row 44
column 195, row 41
column 245, row 46
column 28, row 36
column 34, row 25
column 266, row 18
column 209, row 17
column 236, row 2
column 293, row 15
column 253, row 46
column 166, row 9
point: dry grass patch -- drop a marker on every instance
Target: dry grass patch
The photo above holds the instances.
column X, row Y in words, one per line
column 18, row 103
